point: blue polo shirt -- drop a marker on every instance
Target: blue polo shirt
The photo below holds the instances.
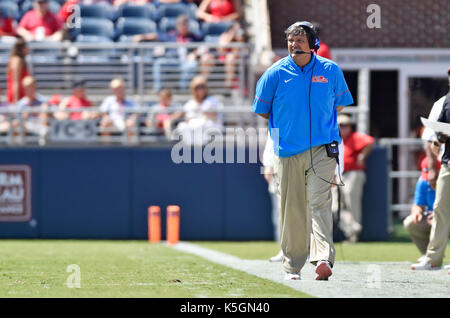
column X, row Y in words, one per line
column 283, row 91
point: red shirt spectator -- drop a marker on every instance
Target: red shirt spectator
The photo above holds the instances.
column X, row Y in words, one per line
column 324, row 51
column 7, row 27
column 75, row 102
column 219, row 10
column 40, row 23
column 354, row 143
column 424, row 168
column 16, row 71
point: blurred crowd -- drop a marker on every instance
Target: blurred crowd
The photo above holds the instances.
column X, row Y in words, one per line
column 175, row 21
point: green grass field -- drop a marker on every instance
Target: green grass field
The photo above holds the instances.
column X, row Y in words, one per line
column 37, row 268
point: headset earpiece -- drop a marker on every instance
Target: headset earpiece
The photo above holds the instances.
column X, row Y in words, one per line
column 313, row 38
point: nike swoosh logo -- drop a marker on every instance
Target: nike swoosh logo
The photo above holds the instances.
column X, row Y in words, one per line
column 286, row 81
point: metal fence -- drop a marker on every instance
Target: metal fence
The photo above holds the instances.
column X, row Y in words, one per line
column 54, row 65
column 404, row 190
column 42, row 125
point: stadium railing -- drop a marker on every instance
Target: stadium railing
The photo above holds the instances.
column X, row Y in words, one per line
column 90, row 132
column 401, row 196
column 54, row 65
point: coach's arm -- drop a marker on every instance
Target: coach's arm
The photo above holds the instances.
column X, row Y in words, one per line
column 266, row 116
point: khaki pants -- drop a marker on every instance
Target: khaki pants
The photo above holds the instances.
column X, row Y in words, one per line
column 440, row 228
column 352, row 192
column 419, row 232
column 306, row 222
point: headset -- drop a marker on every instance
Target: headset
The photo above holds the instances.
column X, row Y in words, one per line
column 313, row 38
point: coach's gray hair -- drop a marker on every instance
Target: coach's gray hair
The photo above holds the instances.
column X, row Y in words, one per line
column 295, row 29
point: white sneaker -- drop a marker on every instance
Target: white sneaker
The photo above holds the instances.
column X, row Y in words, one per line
column 277, row 258
column 292, row 276
column 424, row 266
column 421, row 259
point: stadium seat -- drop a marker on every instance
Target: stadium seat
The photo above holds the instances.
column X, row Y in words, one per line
column 137, row 11
column 9, row 9
column 173, row 10
column 102, row 11
column 97, row 26
column 211, row 38
column 127, row 27
column 167, row 24
column 83, row 38
column 216, row 28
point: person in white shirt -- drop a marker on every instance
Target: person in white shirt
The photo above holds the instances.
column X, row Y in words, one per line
column 201, row 114
column 114, row 109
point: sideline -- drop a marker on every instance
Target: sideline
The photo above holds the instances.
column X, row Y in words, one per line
column 350, row 279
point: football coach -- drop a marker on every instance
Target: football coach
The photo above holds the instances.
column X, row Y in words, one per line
column 301, row 95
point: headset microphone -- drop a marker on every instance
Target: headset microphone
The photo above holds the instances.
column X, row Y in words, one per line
column 301, row 52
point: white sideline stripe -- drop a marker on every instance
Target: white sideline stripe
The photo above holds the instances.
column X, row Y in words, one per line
column 350, row 279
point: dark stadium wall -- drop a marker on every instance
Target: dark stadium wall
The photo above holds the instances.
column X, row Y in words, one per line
column 344, row 23
column 104, row 193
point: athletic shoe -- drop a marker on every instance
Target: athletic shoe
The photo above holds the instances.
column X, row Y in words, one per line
column 323, row 270
column 277, row 258
column 447, row 267
column 292, row 276
column 421, row 259
column 424, row 266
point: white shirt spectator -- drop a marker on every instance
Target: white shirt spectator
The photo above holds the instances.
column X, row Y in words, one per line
column 116, row 111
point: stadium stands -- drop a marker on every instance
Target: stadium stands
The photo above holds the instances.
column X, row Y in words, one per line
column 9, row 9
column 101, row 48
column 167, row 24
column 129, row 26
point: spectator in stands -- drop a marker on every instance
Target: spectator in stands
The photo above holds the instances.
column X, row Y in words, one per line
column 219, row 10
column 36, row 122
column 418, row 223
column 40, row 24
column 230, row 56
column 4, row 118
column 113, row 109
column 159, row 117
column 7, row 30
column 187, row 58
column 357, row 147
column 324, row 50
column 77, row 100
column 200, row 113
column 17, row 70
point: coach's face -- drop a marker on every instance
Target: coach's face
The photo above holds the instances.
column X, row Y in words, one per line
column 297, row 42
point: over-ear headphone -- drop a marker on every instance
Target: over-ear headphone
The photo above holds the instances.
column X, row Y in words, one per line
column 313, row 38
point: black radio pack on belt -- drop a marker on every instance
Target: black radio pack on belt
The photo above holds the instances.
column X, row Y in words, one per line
column 332, row 149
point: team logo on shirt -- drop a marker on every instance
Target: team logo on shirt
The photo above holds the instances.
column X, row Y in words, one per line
column 319, row 79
